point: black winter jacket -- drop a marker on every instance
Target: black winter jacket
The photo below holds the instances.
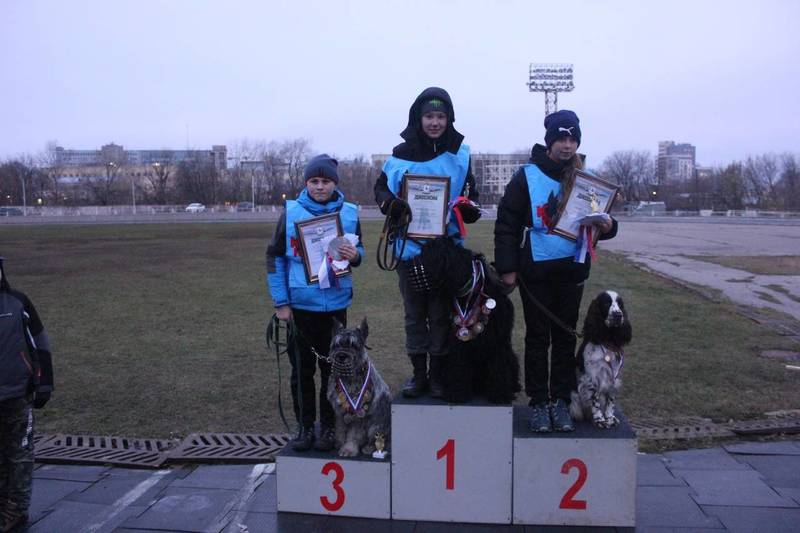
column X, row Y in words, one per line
column 25, row 360
column 514, row 215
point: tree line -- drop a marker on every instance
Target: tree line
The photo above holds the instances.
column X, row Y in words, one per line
column 270, row 171
column 265, row 171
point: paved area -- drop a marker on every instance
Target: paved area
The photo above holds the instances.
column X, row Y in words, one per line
column 741, row 487
column 662, row 246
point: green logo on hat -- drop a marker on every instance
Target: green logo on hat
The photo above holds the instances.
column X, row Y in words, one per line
column 436, row 103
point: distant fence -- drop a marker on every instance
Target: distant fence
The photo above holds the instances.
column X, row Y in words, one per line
column 177, row 213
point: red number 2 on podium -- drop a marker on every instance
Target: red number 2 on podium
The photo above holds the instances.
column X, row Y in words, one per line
column 448, row 450
column 336, row 504
column 567, row 501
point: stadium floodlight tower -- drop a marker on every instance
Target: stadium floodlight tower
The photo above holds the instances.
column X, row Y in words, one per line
column 550, row 79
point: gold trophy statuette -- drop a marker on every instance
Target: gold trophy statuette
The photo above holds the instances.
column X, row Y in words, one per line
column 380, row 444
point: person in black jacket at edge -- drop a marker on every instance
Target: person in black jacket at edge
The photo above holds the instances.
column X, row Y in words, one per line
column 26, row 380
column 431, row 146
column 548, row 265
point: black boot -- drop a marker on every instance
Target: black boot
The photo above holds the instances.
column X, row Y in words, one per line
column 436, row 380
column 304, row 439
column 418, row 383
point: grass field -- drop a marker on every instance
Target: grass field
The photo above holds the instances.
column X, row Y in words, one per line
column 158, row 331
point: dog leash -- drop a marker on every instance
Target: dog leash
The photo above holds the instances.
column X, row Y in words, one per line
column 557, row 321
column 272, row 339
column 394, row 228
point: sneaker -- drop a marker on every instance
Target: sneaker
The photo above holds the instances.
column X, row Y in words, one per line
column 304, row 439
column 327, row 439
column 540, row 419
column 559, row 412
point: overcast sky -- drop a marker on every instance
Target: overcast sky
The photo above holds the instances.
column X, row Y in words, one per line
column 722, row 75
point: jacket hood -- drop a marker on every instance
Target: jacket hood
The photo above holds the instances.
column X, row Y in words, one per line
column 415, row 138
column 317, row 209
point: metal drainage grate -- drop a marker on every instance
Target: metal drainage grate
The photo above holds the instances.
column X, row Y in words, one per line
column 768, row 426
column 103, row 450
column 684, row 428
column 230, row 447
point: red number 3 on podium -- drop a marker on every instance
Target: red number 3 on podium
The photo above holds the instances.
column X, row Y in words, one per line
column 336, row 504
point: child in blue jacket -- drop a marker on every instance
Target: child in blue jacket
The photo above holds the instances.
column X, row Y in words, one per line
column 310, row 308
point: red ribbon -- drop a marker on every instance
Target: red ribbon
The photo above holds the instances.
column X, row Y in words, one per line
column 589, row 243
column 295, row 247
column 455, row 203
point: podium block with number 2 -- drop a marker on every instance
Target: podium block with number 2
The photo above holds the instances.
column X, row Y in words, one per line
column 322, row 483
column 451, row 463
column 583, row 478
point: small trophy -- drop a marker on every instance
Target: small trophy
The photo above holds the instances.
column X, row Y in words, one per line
column 380, row 444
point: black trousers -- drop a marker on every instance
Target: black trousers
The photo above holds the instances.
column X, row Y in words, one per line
column 555, row 380
column 427, row 317
column 315, row 329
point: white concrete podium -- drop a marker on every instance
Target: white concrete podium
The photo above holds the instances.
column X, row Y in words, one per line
column 324, row 483
column 582, row 478
column 451, row 463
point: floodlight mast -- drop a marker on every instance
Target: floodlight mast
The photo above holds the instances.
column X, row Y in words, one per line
column 550, row 79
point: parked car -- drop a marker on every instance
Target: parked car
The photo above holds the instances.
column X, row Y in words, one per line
column 195, row 208
column 11, row 212
column 245, row 206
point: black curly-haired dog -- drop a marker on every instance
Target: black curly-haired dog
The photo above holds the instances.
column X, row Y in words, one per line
column 484, row 363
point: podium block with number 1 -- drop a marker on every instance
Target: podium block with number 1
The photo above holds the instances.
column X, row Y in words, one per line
column 451, row 463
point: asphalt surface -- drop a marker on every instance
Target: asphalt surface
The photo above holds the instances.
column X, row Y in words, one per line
column 663, row 246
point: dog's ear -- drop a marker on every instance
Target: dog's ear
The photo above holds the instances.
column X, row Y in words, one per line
column 594, row 322
column 337, row 326
column 626, row 330
column 364, row 329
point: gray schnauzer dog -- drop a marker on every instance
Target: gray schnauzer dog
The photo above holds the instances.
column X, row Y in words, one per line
column 360, row 398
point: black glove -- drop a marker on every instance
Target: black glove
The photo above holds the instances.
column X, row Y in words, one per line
column 398, row 208
column 40, row 399
column 469, row 212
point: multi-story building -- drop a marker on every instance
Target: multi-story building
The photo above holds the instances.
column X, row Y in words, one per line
column 675, row 162
column 114, row 153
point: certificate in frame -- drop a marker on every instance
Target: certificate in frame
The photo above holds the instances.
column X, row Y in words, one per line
column 427, row 196
column 588, row 195
column 313, row 233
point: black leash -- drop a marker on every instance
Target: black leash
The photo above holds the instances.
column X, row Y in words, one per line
column 557, row 321
column 272, row 339
column 394, row 228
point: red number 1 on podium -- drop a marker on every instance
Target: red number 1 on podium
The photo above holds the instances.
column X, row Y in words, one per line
column 449, row 451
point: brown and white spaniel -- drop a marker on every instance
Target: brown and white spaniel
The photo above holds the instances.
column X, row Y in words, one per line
column 606, row 331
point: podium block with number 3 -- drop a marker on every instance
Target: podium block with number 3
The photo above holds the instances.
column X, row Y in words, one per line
column 322, row 483
column 451, row 463
column 583, row 478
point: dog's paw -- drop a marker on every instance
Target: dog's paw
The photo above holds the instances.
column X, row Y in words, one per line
column 599, row 420
column 611, row 421
column 348, row 450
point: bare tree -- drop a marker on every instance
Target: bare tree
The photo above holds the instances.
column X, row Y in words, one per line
column 790, row 180
column 729, row 186
column 197, row 181
column 295, row 154
column 632, row 170
column 762, row 176
column 49, row 164
column 158, row 177
column 356, row 179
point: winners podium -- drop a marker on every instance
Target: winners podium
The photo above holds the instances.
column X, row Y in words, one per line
column 472, row 463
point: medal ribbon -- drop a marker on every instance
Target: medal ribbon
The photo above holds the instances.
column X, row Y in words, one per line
column 462, row 229
column 462, row 313
column 355, row 405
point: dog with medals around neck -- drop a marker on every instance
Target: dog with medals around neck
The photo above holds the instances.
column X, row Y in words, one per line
column 606, row 331
column 360, row 398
